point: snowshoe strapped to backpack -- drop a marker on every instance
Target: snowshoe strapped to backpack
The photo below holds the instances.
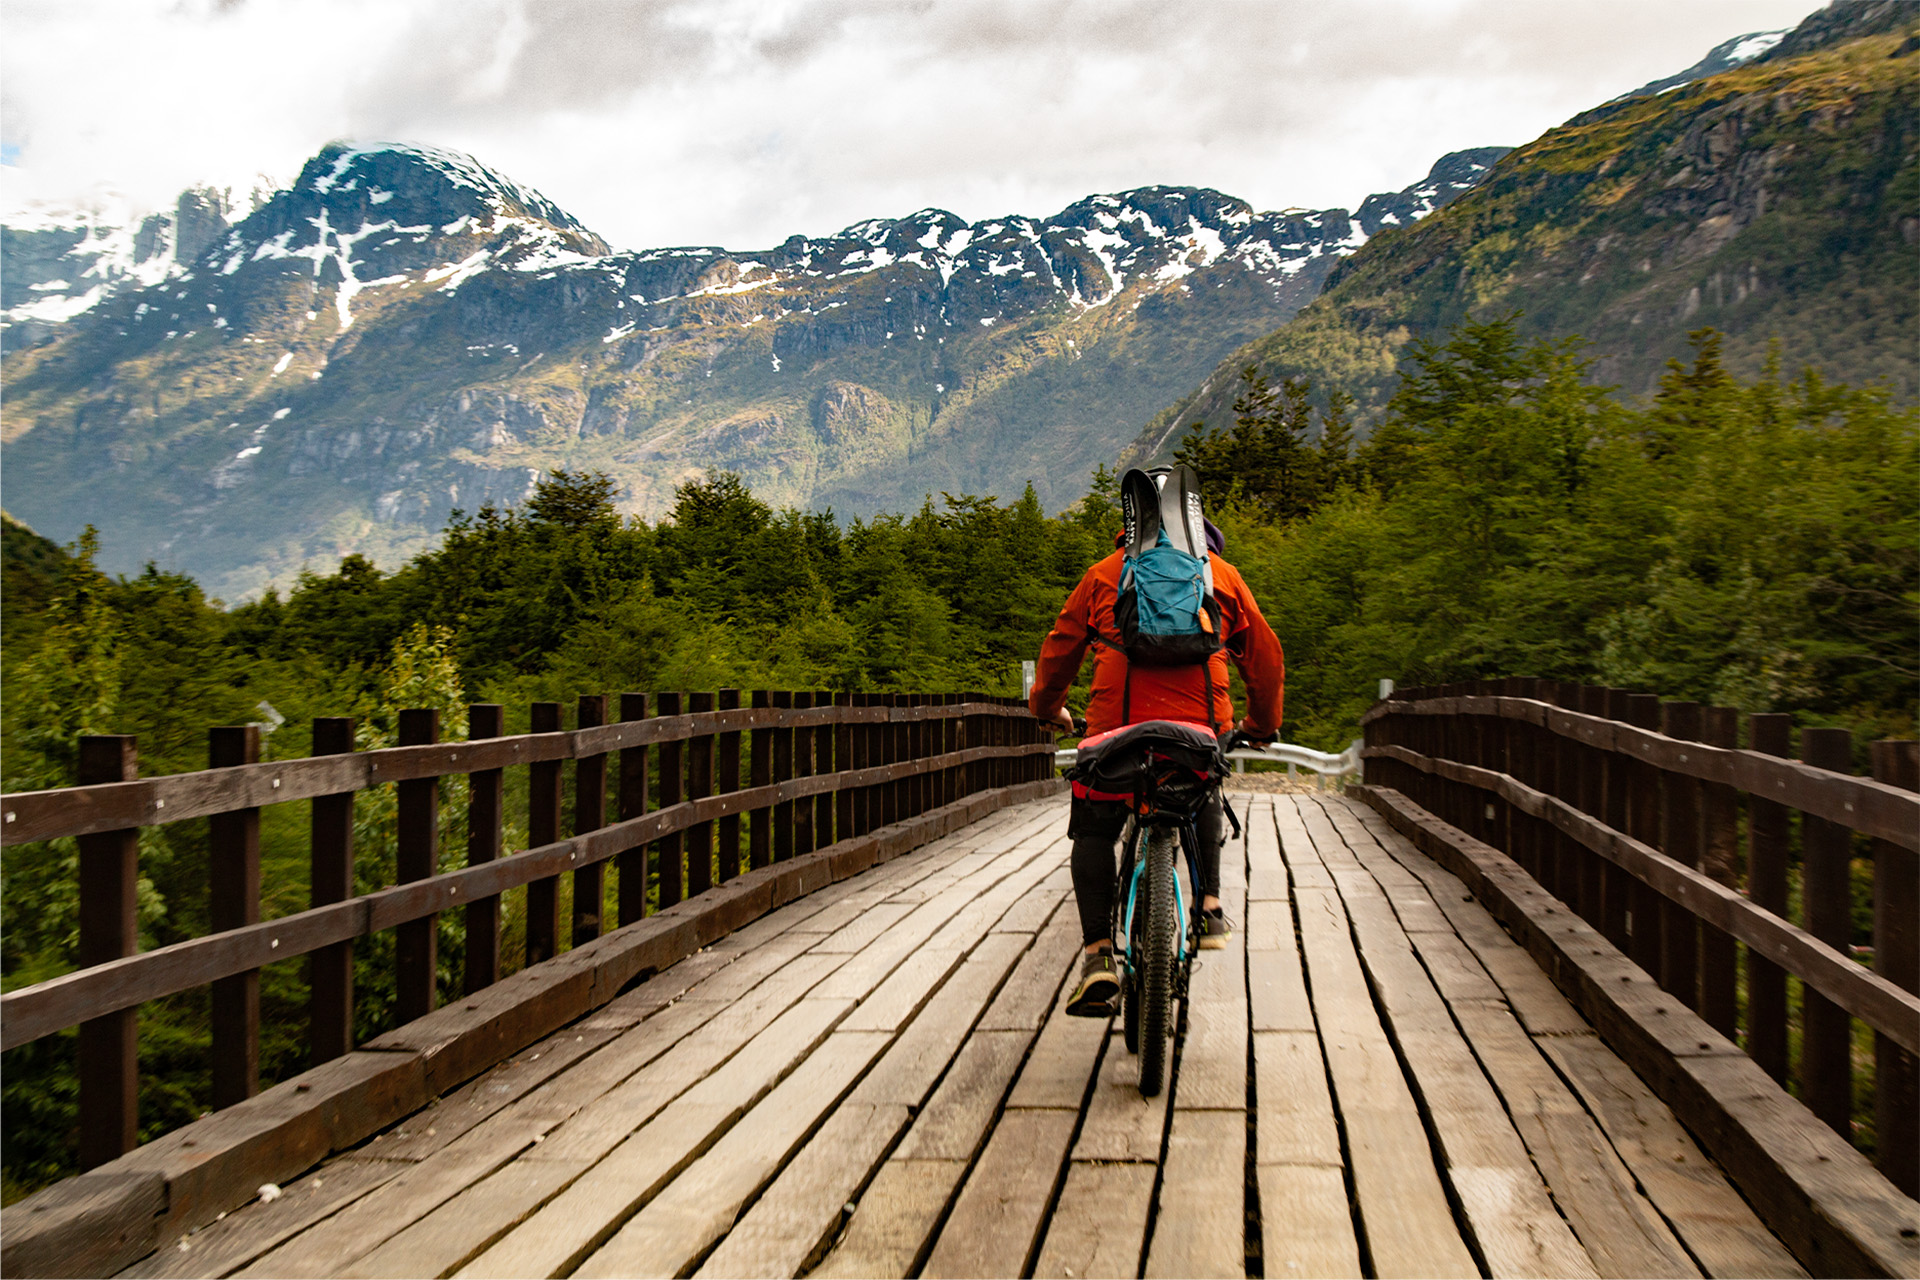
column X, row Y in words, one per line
column 1165, row 612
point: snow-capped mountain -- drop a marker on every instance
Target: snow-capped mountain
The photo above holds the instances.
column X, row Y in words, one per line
column 58, row 263
column 402, row 331
column 1724, row 56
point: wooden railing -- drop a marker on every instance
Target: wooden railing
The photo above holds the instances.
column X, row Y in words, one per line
column 820, row 768
column 1629, row 810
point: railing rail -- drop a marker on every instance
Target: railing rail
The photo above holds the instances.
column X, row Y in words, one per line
column 1630, row 811
column 823, row 767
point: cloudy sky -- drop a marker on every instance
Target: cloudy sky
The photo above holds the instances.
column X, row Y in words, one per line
column 740, row 122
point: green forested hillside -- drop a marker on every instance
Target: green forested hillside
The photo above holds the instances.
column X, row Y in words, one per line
column 1778, row 202
column 1748, row 541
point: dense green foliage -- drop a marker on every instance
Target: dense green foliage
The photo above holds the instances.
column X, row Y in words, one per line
column 1748, row 543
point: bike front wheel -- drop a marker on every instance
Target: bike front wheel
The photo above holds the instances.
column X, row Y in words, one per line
column 1155, row 949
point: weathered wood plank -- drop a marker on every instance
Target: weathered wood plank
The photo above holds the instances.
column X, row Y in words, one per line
column 1306, row 1224
column 1213, row 1049
column 1508, row 1206
column 800, row 1212
column 1403, row 1207
column 681, row 1223
column 995, row 1224
column 1718, row 1226
column 1100, row 1222
column 1296, row 1122
column 893, row 1222
column 1821, row 1198
column 963, row 1109
column 555, row 1237
column 1201, row 1227
column 1121, row 1125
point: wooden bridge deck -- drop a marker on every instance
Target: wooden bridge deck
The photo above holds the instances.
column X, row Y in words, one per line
column 877, row 1080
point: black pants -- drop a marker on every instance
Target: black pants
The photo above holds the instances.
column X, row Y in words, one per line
column 1095, row 827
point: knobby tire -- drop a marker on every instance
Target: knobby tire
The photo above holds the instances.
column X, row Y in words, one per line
column 1157, row 960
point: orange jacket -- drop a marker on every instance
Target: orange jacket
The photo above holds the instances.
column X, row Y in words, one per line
column 1159, row 693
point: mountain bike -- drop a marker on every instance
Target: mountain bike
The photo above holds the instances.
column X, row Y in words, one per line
column 1167, row 771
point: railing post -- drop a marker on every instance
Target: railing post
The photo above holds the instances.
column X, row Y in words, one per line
column 760, row 819
column 951, row 736
column 1826, row 1041
column 823, row 743
column 1680, row 840
column 782, row 772
column 1614, row 899
column 699, row 787
column 1896, row 957
column 589, row 814
column 633, row 804
column 1602, row 896
column 1771, row 734
column 330, row 877
column 898, row 752
column 1643, row 824
column 727, row 770
column 1720, row 858
column 416, row 942
column 233, row 902
column 803, row 768
column 543, row 828
column 863, row 758
column 843, row 796
column 109, row 930
column 668, row 850
column 486, row 819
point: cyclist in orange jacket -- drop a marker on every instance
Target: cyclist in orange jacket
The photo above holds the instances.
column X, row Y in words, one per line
column 1152, row 693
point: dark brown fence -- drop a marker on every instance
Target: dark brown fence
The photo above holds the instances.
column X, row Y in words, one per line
column 1630, row 810
column 821, row 768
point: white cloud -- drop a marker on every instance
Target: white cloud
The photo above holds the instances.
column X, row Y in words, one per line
column 740, row 122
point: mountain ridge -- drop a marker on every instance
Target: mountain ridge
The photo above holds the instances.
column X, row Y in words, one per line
column 1774, row 201
column 402, row 331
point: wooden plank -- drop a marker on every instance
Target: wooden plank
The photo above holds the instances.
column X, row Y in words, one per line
column 910, row 1069
column 233, row 902
column 1720, row 1229
column 893, row 1222
column 1821, row 1197
column 109, row 931
column 1306, row 1225
column 1023, row 1004
column 869, row 924
column 1063, row 1062
column 90, row 1225
column 722, row 1035
column 1403, row 1208
column 1619, row 1228
column 331, row 1247
column 994, row 1228
column 894, row 1002
column 1201, row 1226
column 963, row 1109
column 555, row 1237
column 1100, row 1222
column 1266, row 873
column 229, row 1243
column 680, row 1224
column 1213, row 1064
column 791, row 1224
column 1121, row 1125
column 1507, row 1205
column 1296, row 1123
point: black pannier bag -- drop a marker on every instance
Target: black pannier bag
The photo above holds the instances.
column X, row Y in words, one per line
column 1168, row 763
